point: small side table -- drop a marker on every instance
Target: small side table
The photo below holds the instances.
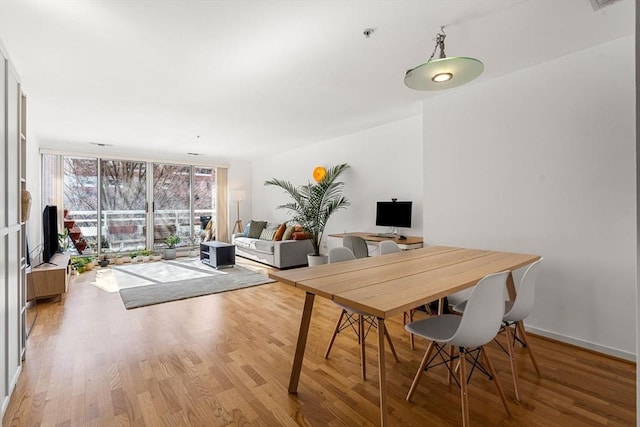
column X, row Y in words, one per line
column 217, row 254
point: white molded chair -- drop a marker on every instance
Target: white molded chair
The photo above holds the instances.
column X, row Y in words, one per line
column 388, row 247
column 357, row 245
column 478, row 325
column 350, row 317
column 515, row 312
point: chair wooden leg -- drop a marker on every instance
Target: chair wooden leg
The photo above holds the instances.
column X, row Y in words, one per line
column 416, row 379
column 452, row 368
column 464, row 397
column 523, row 336
column 363, row 357
column 404, row 319
column 335, row 332
column 489, row 364
column 391, row 347
column 512, row 361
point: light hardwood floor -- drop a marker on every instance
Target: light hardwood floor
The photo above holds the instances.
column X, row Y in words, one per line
column 225, row 359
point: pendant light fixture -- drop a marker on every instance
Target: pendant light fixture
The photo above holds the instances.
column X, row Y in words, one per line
column 443, row 73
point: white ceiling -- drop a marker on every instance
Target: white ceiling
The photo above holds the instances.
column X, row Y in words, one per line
column 254, row 77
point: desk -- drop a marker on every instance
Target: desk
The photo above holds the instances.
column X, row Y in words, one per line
column 392, row 284
column 411, row 242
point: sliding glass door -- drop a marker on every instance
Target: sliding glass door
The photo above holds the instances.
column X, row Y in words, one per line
column 123, row 205
column 171, row 204
column 80, row 199
column 204, row 203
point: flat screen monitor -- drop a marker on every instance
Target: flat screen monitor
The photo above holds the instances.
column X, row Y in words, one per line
column 394, row 214
column 50, row 232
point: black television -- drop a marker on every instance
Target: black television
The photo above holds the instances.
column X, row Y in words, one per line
column 50, row 232
column 394, row 214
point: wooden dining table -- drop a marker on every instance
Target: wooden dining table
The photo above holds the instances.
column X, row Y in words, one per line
column 389, row 285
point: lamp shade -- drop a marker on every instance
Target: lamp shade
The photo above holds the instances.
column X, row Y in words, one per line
column 451, row 71
column 319, row 173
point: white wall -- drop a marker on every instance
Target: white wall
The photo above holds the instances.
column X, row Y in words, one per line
column 386, row 162
column 239, row 180
column 543, row 161
column 34, row 180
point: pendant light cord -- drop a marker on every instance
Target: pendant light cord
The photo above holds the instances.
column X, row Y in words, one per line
column 439, row 44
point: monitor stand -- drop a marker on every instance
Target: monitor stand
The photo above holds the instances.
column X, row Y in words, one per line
column 392, row 235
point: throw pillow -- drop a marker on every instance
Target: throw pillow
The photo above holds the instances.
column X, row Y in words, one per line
column 246, row 229
column 268, row 233
column 280, row 232
column 299, row 235
column 288, row 232
column 256, row 228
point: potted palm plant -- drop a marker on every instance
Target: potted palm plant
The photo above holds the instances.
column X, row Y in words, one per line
column 313, row 204
column 171, row 241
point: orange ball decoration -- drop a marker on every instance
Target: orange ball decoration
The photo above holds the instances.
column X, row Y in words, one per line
column 319, row 173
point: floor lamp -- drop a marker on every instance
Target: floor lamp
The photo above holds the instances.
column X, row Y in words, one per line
column 238, row 196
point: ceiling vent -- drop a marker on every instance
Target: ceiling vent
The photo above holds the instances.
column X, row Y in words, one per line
column 599, row 4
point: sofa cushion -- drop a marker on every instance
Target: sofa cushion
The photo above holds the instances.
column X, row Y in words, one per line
column 256, row 228
column 264, row 246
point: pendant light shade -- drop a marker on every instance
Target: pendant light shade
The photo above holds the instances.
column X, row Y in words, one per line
column 443, row 73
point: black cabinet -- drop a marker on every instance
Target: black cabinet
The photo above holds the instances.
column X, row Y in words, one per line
column 217, row 254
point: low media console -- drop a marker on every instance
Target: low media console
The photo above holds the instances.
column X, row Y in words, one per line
column 217, row 254
column 49, row 279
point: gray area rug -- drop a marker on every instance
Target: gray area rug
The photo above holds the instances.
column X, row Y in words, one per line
column 144, row 288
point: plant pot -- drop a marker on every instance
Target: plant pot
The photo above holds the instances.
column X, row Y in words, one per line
column 89, row 266
column 126, row 259
column 156, row 257
column 103, row 263
column 118, row 261
column 317, row 259
column 144, row 258
column 170, row 253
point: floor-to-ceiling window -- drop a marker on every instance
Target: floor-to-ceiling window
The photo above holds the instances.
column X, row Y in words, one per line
column 80, row 196
column 204, row 202
column 123, row 205
column 120, row 206
column 171, row 203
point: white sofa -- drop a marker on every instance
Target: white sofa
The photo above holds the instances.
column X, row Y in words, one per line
column 280, row 254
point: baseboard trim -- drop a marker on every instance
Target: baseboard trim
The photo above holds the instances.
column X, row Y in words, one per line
column 12, row 387
column 5, row 404
column 585, row 344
